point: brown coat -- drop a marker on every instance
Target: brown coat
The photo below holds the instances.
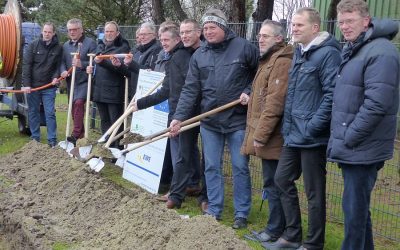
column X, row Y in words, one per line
column 267, row 101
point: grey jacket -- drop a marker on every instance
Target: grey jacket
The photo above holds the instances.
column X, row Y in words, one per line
column 81, row 78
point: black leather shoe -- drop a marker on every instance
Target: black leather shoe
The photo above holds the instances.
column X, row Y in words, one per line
column 172, row 204
column 72, row 140
column 281, row 244
column 261, row 236
column 240, row 223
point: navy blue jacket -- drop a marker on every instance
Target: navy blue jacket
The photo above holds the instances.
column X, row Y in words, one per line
column 218, row 74
column 307, row 112
column 366, row 98
column 176, row 70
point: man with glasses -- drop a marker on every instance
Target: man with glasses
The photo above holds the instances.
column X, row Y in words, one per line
column 220, row 72
column 87, row 45
column 365, row 105
column 305, row 130
column 264, row 118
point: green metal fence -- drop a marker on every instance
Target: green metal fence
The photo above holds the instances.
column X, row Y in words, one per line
column 385, row 203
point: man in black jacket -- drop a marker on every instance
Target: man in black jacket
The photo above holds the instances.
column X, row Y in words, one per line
column 181, row 147
column 108, row 90
column 220, row 72
column 88, row 45
column 41, row 66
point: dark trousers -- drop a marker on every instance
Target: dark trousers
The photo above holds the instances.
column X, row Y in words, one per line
column 359, row 180
column 109, row 114
column 186, row 161
column 78, row 114
column 276, row 218
column 312, row 162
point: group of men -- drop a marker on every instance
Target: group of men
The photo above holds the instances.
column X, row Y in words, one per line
column 299, row 107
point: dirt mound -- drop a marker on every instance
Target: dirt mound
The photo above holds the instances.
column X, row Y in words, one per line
column 47, row 197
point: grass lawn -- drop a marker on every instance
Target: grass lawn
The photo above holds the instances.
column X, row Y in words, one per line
column 11, row 140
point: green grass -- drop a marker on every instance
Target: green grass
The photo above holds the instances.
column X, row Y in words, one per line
column 11, row 140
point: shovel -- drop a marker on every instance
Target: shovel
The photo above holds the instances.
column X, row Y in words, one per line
column 197, row 118
column 97, row 164
column 85, row 150
column 103, row 138
column 66, row 145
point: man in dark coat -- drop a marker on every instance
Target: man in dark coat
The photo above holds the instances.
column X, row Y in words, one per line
column 87, row 45
column 365, row 105
column 181, row 147
column 305, row 130
column 264, row 119
column 221, row 72
column 109, row 85
column 41, row 66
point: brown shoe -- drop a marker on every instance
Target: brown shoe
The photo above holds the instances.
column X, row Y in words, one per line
column 193, row 191
column 171, row 204
column 204, row 206
column 163, row 198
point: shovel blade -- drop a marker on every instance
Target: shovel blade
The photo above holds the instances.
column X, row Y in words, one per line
column 120, row 161
column 85, row 151
column 66, row 145
column 96, row 164
column 115, row 152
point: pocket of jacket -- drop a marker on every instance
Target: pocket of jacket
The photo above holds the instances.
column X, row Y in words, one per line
column 300, row 121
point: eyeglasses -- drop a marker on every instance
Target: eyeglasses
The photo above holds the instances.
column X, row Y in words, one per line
column 185, row 32
column 263, row 36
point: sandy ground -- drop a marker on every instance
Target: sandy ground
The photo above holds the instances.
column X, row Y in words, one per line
column 47, row 197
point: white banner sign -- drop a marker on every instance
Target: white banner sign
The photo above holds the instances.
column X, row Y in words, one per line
column 143, row 166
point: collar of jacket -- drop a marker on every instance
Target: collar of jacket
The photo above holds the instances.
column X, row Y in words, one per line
column 80, row 40
column 118, row 41
column 177, row 47
column 271, row 51
column 53, row 41
column 143, row 47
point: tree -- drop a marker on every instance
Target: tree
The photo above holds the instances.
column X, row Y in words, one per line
column 264, row 10
column 158, row 12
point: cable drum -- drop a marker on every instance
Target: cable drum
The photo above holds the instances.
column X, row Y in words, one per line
column 8, row 45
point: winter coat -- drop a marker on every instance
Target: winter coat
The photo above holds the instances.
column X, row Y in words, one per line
column 265, row 108
column 219, row 74
column 145, row 57
column 176, row 71
column 41, row 62
column 109, row 85
column 81, row 77
column 308, row 106
column 366, row 98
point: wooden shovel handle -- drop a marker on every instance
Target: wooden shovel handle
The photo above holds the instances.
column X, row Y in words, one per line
column 128, row 111
column 196, row 118
column 143, row 143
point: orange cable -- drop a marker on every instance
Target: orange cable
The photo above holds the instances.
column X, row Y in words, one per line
column 8, row 45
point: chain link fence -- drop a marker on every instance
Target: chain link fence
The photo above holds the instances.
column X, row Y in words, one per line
column 385, row 200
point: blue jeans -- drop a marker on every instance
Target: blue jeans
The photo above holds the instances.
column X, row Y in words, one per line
column 214, row 143
column 47, row 97
column 276, row 218
column 359, row 180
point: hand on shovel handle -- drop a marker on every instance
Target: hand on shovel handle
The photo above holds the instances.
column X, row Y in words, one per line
column 194, row 119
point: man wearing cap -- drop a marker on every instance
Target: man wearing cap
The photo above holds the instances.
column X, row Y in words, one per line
column 220, row 72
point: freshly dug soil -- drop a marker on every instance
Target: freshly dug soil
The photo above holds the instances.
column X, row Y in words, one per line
column 131, row 138
column 47, row 197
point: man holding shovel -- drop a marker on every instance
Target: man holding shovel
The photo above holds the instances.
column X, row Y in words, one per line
column 220, row 72
column 88, row 45
column 181, row 147
column 108, row 89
